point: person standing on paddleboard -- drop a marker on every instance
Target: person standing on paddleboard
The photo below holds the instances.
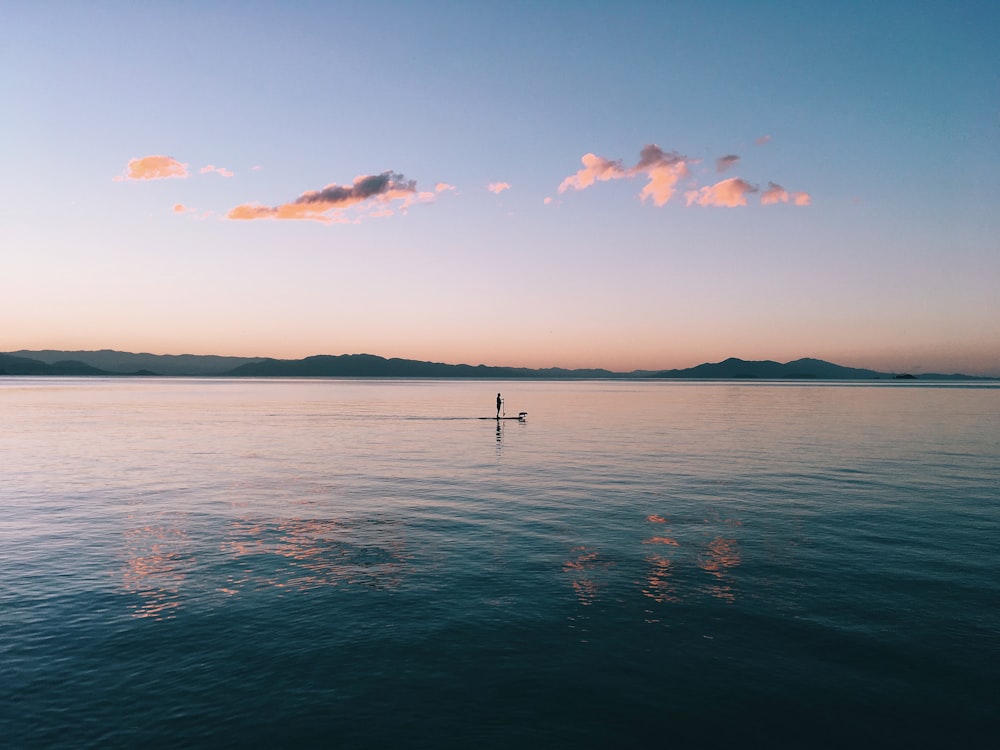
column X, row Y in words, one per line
column 499, row 404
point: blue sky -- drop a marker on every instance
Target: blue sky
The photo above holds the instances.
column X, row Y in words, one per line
column 882, row 119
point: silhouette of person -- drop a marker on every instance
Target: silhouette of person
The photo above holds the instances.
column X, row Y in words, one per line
column 499, row 403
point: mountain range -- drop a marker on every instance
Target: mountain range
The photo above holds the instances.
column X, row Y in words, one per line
column 114, row 363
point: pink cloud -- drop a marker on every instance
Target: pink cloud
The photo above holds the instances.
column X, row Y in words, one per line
column 369, row 196
column 219, row 170
column 594, row 168
column 728, row 193
column 763, row 140
column 181, row 210
column 774, row 194
column 777, row 194
column 250, row 211
column 498, row 187
column 153, row 168
column 442, row 187
column 725, row 162
column 664, row 169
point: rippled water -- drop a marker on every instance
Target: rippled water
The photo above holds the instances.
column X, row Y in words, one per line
column 356, row 563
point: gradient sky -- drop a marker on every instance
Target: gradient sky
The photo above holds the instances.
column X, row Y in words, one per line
column 578, row 184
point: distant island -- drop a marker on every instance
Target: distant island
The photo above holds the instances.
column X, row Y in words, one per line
column 109, row 363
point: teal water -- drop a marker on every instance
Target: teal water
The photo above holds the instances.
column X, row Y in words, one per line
column 353, row 563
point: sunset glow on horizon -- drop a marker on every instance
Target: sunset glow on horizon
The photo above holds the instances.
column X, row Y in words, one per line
column 532, row 186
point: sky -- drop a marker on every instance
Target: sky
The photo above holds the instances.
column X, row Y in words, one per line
column 628, row 185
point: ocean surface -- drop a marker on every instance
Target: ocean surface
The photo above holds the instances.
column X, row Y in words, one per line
column 359, row 563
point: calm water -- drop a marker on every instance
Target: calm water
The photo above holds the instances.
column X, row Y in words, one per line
column 362, row 564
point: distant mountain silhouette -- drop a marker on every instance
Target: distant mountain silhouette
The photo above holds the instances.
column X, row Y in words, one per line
column 370, row 365
column 107, row 362
column 12, row 365
column 127, row 363
column 800, row 369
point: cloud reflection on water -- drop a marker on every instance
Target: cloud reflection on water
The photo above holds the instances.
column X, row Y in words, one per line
column 659, row 585
column 718, row 556
column 718, row 560
column 157, row 560
column 304, row 554
column 286, row 553
column 585, row 572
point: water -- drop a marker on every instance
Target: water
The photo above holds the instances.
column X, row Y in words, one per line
column 354, row 563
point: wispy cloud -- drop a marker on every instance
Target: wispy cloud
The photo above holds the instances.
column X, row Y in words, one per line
column 443, row 187
column 181, row 210
column 663, row 169
column 725, row 162
column 153, row 168
column 763, row 140
column 728, row 193
column 218, row 170
column 369, row 196
column 777, row 194
column 498, row 187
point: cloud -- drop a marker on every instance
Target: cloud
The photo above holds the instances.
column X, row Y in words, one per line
column 369, row 195
column 728, row 193
column 181, row 210
column 763, row 140
column 664, row 169
column 594, row 168
column 498, row 187
column 774, row 194
column 442, row 187
column 777, row 194
column 212, row 168
column 153, row 168
column 725, row 162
